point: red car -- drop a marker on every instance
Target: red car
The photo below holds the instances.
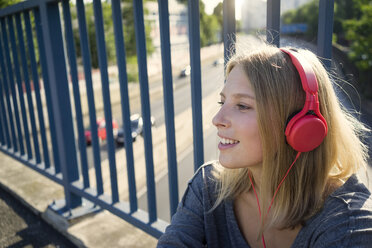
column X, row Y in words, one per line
column 101, row 131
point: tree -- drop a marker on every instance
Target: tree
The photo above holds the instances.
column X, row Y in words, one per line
column 218, row 13
column 308, row 13
column 352, row 29
column 5, row 3
column 359, row 33
column 346, row 10
column 209, row 26
column 128, row 30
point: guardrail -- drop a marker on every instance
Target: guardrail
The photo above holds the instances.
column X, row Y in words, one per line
column 36, row 45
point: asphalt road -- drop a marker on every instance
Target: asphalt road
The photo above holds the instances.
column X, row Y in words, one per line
column 20, row 227
column 212, row 76
column 212, row 79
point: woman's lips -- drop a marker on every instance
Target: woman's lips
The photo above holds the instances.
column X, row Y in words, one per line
column 222, row 146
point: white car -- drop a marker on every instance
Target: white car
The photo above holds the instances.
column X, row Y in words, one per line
column 186, row 71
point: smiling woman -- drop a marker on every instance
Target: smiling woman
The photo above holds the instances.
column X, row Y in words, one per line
column 236, row 122
column 286, row 173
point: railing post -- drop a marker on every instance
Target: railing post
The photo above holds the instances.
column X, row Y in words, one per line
column 125, row 104
column 4, row 122
column 75, row 83
column 20, row 89
column 12, row 83
column 196, row 103
column 84, row 44
column 7, row 84
column 35, row 77
column 145, row 106
column 57, row 75
column 168, row 104
column 229, row 32
column 273, row 22
column 6, row 107
column 325, row 31
column 43, row 64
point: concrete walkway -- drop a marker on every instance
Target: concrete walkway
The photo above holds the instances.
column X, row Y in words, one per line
column 20, row 227
column 36, row 192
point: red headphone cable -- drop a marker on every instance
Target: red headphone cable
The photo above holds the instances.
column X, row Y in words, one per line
column 276, row 191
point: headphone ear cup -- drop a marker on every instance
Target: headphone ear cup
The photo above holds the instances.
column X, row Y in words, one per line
column 307, row 133
column 291, row 117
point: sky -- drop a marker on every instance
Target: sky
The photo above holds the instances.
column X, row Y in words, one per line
column 210, row 4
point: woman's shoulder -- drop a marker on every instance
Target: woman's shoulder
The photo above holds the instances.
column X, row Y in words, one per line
column 352, row 195
column 203, row 183
column 204, row 174
column 349, row 201
column 345, row 218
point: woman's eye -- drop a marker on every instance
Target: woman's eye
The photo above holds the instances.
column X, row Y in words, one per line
column 220, row 103
column 243, row 107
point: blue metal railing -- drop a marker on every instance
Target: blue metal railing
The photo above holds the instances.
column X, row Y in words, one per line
column 37, row 57
column 84, row 43
column 194, row 37
column 145, row 105
column 168, row 104
column 75, row 83
column 123, row 80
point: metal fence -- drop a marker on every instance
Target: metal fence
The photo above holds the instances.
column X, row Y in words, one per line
column 38, row 64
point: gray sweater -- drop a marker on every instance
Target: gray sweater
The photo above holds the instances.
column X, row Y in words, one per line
column 344, row 221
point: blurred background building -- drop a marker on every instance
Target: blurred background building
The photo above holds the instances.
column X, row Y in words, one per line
column 254, row 13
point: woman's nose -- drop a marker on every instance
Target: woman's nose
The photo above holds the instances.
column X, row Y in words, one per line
column 220, row 119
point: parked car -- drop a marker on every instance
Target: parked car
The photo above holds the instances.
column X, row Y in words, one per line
column 136, row 123
column 217, row 62
column 186, row 71
column 101, row 131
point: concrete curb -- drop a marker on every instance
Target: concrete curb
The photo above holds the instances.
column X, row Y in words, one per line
column 36, row 192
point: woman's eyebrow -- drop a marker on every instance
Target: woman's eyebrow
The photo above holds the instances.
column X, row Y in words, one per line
column 240, row 95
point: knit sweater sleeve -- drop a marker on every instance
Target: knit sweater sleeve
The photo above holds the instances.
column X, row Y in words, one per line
column 187, row 225
column 344, row 221
column 347, row 227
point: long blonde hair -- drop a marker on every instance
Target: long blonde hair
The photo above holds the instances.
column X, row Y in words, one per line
column 278, row 94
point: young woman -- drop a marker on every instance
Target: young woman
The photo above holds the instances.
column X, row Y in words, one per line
column 288, row 157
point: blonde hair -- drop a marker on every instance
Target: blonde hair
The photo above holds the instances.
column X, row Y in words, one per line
column 278, row 92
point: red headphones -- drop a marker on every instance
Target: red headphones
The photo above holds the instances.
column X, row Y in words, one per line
column 306, row 130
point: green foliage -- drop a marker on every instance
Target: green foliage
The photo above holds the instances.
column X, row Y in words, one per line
column 218, row 13
column 128, row 30
column 352, row 28
column 5, row 3
column 209, row 28
column 359, row 31
column 132, row 69
column 346, row 10
column 308, row 14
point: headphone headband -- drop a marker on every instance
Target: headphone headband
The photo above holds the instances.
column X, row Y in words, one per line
column 307, row 75
column 303, row 126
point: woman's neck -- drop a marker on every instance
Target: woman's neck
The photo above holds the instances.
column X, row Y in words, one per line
column 256, row 176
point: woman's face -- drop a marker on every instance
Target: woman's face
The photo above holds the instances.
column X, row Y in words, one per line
column 240, row 143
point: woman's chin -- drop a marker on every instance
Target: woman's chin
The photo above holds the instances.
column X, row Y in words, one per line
column 227, row 164
column 231, row 164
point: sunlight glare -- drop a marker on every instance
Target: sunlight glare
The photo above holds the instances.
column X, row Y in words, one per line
column 238, row 9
